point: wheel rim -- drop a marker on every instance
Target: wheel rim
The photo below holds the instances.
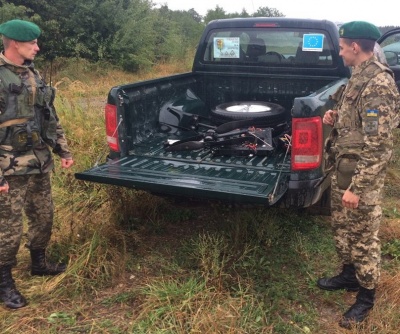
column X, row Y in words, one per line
column 248, row 108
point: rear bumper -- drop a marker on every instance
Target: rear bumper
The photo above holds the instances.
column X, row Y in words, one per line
column 303, row 194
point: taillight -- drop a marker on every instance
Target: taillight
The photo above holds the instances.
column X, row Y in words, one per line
column 112, row 127
column 306, row 143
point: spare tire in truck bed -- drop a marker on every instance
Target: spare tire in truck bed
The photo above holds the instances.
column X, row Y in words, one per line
column 266, row 112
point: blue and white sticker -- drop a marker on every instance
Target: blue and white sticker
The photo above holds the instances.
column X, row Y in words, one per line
column 226, row 47
column 313, row 42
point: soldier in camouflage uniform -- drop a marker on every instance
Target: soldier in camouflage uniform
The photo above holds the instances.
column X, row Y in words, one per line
column 29, row 128
column 361, row 145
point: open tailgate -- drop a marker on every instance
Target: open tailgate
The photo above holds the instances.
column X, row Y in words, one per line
column 258, row 180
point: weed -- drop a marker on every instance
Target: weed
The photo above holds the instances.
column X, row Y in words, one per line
column 392, row 248
column 138, row 263
column 61, row 318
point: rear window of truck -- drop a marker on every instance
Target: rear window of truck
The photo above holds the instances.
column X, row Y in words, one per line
column 270, row 46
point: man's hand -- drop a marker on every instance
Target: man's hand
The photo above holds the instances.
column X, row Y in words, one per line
column 66, row 163
column 330, row 117
column 350, row 200
column 4, row 187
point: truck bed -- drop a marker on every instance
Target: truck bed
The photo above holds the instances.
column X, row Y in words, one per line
column 198, row 173
column 293, row 75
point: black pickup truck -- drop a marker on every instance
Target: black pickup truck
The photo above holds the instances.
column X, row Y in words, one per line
column 243, row 126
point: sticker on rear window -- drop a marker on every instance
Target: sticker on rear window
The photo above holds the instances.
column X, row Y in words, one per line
column 313, row 42
column 226, row 47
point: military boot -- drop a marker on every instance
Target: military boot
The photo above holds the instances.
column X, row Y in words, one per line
column 9, row 294
column 346, row 280
column 359, row 310
column 42, row 267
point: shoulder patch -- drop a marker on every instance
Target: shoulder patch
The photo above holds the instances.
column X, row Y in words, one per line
column 371, row 123
column 372, row 113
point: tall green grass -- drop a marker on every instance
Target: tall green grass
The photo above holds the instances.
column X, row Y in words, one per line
column 139, row 263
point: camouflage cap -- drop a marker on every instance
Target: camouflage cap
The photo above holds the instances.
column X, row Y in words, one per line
column 359, row 30
column 19, row 30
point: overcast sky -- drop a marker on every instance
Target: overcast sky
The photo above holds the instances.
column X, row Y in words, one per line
column 380, row 13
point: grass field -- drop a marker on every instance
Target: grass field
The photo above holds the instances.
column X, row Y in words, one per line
column 144, row 264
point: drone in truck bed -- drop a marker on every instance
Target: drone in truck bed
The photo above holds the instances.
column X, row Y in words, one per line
column 238, row 137
column 241, row 142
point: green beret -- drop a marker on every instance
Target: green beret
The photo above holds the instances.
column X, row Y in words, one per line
column 19, row 30
column 359, row 30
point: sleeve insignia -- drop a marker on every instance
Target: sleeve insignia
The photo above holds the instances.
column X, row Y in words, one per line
column 372, row 113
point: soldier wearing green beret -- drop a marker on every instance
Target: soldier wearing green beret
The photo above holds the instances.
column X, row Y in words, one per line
column 361, row 143
column 19, row 30
column 29, row 132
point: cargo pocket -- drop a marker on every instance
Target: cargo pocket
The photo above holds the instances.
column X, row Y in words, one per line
column 24, row 136
column 345, row 171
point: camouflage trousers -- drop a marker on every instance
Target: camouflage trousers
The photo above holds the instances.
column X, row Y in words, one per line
column 356, row 235
column 29, row 194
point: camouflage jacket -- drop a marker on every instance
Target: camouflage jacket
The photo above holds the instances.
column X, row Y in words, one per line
column 37, row 159
column 367, row 115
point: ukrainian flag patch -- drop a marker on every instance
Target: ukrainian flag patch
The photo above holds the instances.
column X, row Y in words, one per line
column 372, row 113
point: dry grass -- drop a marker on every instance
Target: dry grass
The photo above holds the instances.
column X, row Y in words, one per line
column 141, row 264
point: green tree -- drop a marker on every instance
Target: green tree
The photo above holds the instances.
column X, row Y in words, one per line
column 73, row 28
column 243, row 13
column 132, row 34
column 11, row 11
column 186, row 33
column 133, row 45
column 196, row 16
column 149, row 35
column 215, row 14
column 267, row 12
column 219, row 13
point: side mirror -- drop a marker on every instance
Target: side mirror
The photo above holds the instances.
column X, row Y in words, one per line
column 392, row 58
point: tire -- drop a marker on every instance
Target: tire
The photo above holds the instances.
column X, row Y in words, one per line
column 255, row 110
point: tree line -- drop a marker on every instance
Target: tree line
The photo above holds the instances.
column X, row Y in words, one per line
column 131, row 34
